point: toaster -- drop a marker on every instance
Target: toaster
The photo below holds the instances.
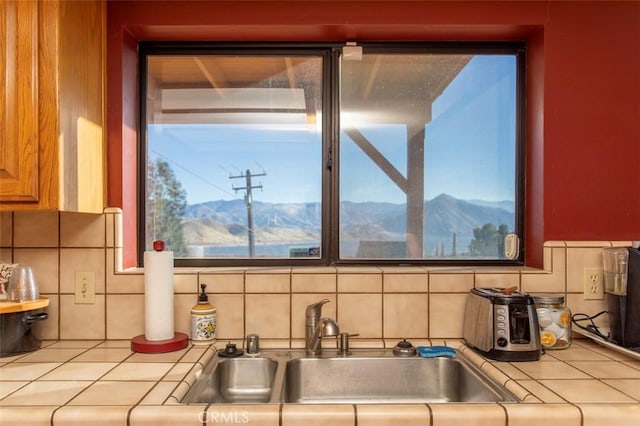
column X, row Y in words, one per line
column 502, row 325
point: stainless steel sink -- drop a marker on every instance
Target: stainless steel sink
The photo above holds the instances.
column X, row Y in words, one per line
column 235, row 380
column 368, row 376
column 386, row 380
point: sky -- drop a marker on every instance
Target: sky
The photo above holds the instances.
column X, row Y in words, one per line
column 467, row 155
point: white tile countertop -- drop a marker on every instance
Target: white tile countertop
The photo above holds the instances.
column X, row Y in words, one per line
column 104, row 382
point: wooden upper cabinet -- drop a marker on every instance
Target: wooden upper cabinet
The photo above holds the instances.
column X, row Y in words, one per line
column 52, row 90
column 19, row 96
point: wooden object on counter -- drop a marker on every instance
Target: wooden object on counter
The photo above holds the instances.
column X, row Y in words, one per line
column 7, row 307
column 52, row 87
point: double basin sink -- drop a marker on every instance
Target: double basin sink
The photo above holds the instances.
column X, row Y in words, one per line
column 367, row 376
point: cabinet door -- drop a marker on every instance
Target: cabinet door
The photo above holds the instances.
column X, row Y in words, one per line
column 19, row 99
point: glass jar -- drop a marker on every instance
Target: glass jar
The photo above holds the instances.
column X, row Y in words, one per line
column 554, row 319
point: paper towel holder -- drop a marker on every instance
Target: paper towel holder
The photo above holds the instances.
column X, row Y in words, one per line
column 142, row 345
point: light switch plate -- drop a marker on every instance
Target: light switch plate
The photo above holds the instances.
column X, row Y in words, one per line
column 85, row 287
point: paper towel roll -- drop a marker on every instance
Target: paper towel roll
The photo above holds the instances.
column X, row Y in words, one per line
column 158, row 295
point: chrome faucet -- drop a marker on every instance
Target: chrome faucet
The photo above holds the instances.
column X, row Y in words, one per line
column 316, row 328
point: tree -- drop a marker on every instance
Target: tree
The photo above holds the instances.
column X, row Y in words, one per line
column 166, row 204
column 488, row 241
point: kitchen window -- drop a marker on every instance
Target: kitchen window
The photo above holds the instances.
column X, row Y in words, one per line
column 291, row 154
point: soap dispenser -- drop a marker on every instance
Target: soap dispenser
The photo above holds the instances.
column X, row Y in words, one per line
column 203, row 320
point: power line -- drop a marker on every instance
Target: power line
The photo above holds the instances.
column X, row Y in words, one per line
column 185, row 169
column 192, row 173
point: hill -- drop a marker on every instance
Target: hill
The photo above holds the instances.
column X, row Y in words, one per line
column 224, row 222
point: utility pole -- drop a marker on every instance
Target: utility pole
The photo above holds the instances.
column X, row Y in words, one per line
column 248, row 199
column 454, row 249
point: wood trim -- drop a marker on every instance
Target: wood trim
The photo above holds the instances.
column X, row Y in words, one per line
column 80, row 78
column 27, row 305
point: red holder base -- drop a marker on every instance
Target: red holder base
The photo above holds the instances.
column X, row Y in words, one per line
column 142, row 345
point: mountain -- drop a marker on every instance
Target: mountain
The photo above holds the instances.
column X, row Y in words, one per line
column 281, row 215
column 507, row 205
column 446, row 214
column 224, row 222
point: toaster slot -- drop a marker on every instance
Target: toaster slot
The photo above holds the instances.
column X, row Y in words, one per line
column 519, row 327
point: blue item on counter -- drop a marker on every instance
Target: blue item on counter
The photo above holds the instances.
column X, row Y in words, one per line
column 435, row 351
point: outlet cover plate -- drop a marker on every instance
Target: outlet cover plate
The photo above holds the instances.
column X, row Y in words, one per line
column 593, row 284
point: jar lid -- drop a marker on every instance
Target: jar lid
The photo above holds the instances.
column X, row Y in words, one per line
column 549, row 298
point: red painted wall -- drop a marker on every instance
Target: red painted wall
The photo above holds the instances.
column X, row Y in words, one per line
column 592, row 122
column 583, row 129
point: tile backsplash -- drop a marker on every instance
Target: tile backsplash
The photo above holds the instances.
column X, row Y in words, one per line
column 378, row 303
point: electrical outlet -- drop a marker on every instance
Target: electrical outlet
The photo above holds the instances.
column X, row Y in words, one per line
column 85, row 287
column 593, row 284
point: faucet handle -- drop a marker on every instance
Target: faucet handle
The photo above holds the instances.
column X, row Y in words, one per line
column 253, row 344
column 315, row 310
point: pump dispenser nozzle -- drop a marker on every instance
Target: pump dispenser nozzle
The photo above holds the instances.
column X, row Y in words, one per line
column 203, row 298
